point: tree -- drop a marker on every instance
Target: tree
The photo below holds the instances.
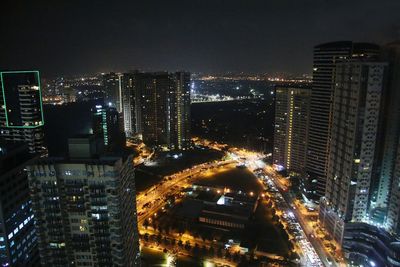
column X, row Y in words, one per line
column 195, row 234
column 159, row 238
column 153, row 237
column 204, row 250
column 203, row 237
column 196, row 249
column 165, row 240
column 236, row 256
column 219, row 253
column 167, row 228
column 211, row 251
column 227, row 254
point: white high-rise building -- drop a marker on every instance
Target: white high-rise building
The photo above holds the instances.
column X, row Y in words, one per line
column 325, row 58
column 356, row 112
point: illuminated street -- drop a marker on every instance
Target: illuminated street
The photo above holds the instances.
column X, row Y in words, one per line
column 313, row 254
column 150, row 201
column 153, row 200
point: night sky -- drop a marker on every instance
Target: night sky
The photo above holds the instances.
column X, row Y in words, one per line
column 63, row 37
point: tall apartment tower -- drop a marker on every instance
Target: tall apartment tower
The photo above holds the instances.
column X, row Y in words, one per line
column 292, row 106
column 129, row 84
column 179, row 111
column 391, row 121
column 18, row 240
column 392, row 223
column 325, row 58
column 113, row 90
column 152, row 91
column 357, row 108
column 21, row 113
column 106, row 124
column 389, row 186
column 85, row 208
column 162, row 108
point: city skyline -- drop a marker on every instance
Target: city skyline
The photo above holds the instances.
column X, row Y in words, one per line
column 199, row 36
column 200, row 133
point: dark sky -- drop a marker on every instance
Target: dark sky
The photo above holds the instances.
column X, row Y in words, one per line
column 86, row 36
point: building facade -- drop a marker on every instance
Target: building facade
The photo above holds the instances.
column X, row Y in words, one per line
column 85, row 208
column 157, row 107
column 179, row 111
column 388, row 179
column 129, row 100
column 391, row 164
column 21, row 115
column 392, row 223
column 370, row 246
column 107, row 125
column 152, row 110
column 357, row 108
column 325, row 58
column 113, row 90
column 292, row 105
column 18, row 240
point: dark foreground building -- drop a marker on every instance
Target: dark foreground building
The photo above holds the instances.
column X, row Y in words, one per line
column 370, row 246
column 85, row 207
column 18, row 241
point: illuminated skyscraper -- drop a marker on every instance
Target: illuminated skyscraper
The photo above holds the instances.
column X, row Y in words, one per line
column 113, row 90
column 107, row 125
column 162, row 108
column 21, row 113
column 356, row 113
column 390, row 139
column 179, row 111
column 85, row 206
column 129, row 84
column 18, row 240
column 152, row 91
column 292, row 105
column 325, row 58
column 393, row 217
